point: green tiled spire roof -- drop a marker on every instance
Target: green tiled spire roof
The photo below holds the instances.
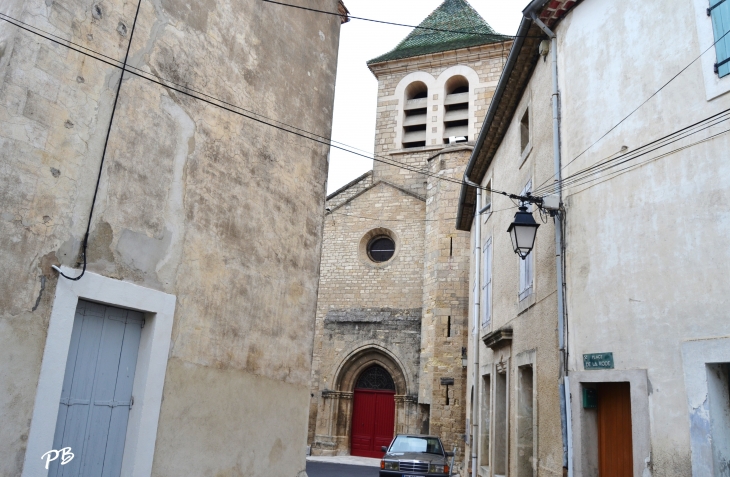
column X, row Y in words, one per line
column 454, row 15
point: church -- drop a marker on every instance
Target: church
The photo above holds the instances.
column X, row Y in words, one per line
column 392, row 312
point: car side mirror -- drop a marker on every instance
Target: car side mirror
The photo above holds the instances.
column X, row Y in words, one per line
column 384, row 448
column 449, row 454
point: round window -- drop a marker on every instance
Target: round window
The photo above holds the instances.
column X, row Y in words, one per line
column 381, row 249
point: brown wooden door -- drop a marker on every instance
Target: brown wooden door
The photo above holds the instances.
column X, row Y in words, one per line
column 615, row 454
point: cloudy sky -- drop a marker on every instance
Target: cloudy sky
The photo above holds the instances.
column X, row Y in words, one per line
column 356, row 91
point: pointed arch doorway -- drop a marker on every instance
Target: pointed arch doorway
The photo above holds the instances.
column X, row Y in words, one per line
column 373, row 413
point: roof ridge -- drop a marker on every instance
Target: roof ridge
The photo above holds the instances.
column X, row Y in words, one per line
column 453, row 25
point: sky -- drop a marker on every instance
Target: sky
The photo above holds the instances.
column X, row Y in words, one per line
column 356, row 88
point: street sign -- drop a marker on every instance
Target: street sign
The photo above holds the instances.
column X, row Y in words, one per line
column 598, row 361
column 447, row 381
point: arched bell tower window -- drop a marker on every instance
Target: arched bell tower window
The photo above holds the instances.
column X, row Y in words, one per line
column 375, row 377
column 456, row 109
column 414, row 115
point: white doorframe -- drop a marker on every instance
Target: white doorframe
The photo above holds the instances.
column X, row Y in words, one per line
column 149, row 379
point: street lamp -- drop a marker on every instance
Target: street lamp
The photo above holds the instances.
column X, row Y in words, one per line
column 523, row 231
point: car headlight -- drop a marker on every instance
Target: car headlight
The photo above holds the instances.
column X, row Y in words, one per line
column 389, row 465
column 438, row 468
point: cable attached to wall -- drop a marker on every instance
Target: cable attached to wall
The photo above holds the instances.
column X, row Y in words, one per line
column 103, row 154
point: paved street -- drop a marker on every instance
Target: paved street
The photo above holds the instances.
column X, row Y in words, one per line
column 325, row 469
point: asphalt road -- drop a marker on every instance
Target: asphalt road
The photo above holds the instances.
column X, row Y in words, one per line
column 324, row 469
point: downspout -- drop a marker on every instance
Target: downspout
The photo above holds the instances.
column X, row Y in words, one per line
column 559, row 246
column 475, row 349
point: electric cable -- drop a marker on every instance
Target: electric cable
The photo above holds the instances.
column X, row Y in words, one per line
column 637, row 108
column 503, row 38
column 142, row 74
column 408, row 220
column 325, row 141
column 608, row 164
column 614, row 174
column 103, row 153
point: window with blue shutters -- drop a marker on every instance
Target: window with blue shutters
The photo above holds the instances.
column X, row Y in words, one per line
column 719, row 11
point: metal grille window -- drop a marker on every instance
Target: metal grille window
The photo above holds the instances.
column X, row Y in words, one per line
column 375, row 377
column 381, row 249
column 719, row 12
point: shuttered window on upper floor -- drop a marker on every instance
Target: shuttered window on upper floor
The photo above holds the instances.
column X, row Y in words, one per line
column 719, row 11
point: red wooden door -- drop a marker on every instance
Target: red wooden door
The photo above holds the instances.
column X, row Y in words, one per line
column 373, row 419
column 615, row 452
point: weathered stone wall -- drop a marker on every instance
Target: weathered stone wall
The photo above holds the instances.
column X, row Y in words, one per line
column 222, row 212
column 362, row 304
column 444, row 329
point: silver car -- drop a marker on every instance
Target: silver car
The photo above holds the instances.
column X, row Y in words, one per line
column 412, row 455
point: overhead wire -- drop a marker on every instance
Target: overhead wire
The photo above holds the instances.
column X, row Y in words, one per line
column 417, row 27
column 642, row 151
column 103, row 153
column 410, row 220
column 663, row 141
column 225, row 105
column 616, row 173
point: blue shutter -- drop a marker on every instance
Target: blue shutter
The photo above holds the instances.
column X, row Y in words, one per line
column 720, row 12
column 97, row 390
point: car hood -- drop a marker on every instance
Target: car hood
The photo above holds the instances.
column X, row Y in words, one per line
column 423, row 457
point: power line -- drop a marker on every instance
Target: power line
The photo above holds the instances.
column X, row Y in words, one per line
column 637, row 108
column 608, row 164
column 410, row 220
column 103, row 153
column 614, row 174
column 503, row 38
column 296, row 131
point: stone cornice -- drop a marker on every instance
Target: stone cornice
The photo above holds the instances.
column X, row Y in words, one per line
column 444, row 58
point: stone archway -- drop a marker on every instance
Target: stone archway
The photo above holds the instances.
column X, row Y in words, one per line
column 335, row 430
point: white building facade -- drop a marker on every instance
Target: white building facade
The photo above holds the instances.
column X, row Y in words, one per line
column 643, row 140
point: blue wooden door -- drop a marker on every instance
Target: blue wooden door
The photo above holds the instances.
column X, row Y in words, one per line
column 97, row 390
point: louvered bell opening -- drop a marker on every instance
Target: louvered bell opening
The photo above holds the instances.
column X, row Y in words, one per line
column 415, row 114
column 456, row 109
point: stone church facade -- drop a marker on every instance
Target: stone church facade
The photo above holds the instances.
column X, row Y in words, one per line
column 392, row 312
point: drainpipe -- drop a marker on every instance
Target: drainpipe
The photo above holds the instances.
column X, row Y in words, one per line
column 559, row 246
column 477, row 293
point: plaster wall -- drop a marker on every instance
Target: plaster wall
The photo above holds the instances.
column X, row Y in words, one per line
column 222, row 212
column 533, row 320
column 646, row 260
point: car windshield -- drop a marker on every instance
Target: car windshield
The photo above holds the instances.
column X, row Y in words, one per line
column 427, row 445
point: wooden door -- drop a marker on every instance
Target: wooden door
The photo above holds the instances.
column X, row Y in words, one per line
column 615, row 452
column 373, row 419
column 97, row 390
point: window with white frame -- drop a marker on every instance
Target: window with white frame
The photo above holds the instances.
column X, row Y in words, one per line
column 487, row 287
column 528, row 264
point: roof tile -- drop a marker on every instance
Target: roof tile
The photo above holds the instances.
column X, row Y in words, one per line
column 466, row 28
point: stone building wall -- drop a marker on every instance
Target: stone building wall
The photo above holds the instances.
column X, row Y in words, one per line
column 356, row 296
column 197, row 202
column 445, row 327
column 363, row 305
